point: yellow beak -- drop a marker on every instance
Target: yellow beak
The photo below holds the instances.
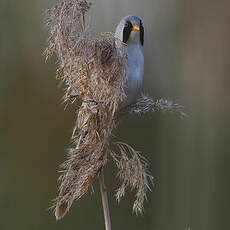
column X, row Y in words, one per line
column 136, row 27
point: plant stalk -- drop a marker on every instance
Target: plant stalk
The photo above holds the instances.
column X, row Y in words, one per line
column 104, row 199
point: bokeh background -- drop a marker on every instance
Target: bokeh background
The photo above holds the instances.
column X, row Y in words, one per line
column 187, row 53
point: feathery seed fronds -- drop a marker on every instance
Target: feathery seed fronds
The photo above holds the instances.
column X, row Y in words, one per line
column 93, row 70
column 133, row 173
column 147, row 104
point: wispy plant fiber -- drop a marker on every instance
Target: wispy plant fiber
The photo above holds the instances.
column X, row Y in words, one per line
column 93, row 71
column 133, row 173
column 146, row 104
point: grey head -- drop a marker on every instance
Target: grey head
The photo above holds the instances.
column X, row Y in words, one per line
column 130, row 30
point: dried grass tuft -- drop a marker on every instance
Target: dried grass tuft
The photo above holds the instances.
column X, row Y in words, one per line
column 133, row 173
column 92, row 69
column 147, row 104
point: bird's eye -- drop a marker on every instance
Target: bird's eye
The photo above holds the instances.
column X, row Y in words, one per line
column 126, row 31
column 128, row 24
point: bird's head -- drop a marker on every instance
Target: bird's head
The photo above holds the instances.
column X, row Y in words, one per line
column 130, row 30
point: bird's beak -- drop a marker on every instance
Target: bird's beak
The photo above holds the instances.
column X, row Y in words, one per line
column 136, row 27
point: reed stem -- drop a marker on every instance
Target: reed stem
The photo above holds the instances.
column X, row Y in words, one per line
column 104, row 199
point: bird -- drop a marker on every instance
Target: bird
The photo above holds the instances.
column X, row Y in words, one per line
column 130, row 31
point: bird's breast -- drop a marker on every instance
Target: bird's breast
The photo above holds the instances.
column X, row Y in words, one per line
column 134, row 72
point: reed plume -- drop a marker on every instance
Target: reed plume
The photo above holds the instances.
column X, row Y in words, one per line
column 92, row 69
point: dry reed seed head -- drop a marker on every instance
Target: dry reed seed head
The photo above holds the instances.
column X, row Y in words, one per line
column 64, row 22
column 83, row 6
column 88, row 69
column 77, row 178
column 96, row 119
column 80, row 56
column 147, row 104
column 92, row 69
column 133, row 173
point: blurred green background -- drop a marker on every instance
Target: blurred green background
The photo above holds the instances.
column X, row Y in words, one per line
column 187, row 53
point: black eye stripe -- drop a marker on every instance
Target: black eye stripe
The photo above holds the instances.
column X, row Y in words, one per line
column 141, row 33
column 127, row 30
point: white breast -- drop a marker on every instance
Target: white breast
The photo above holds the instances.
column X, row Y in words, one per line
column 134, row 71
